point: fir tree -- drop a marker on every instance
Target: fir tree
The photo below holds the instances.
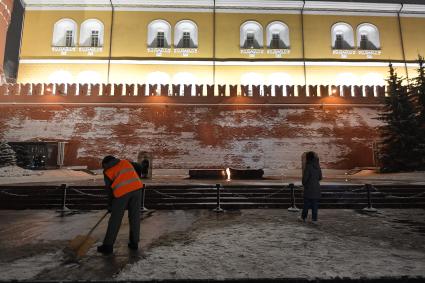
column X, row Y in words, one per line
column 399, row 130
column 7, row 155
column 418, row 95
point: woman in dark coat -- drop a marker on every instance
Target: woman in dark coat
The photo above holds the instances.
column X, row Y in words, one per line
column 311, row 181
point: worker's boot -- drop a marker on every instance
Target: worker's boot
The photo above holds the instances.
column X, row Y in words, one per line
column 133, row 246
column 105, row 249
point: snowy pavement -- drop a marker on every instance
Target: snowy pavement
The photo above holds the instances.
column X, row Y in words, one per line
column 200, row 244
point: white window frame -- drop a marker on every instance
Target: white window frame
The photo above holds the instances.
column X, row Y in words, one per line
column 186, row 26
column 344, row 29
column 60, row 29
column 278, row 27
column 158, row 26
column 86, row 29
column 372, row 33
column 251, row 27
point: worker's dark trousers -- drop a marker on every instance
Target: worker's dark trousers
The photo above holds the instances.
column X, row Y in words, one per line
column 132, row 201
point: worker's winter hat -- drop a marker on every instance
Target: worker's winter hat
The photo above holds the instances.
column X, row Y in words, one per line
column 107, row 160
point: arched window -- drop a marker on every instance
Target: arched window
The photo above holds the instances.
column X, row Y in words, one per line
column 251, row 35
column 342, row 36
column 277, row 36
column 91, row 33
column 65, row 33
column 368, row 37
column 159, row 34
column 186, row 34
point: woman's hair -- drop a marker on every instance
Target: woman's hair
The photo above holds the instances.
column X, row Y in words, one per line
column 310, row 157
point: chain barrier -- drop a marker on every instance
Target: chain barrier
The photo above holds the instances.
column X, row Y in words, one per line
column 163, row 194
column 391, row 196
column 263, row 197
column 12, row 194
column 87, row 194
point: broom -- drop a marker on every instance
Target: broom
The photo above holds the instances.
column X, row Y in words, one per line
column 80, row 245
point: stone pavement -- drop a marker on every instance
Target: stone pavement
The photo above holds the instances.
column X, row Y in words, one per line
column 200, row 244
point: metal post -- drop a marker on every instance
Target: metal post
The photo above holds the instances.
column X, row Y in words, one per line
column 64, row 208
column 293, row 207
column 218, row 208
column 369, row 207
column 143, row 208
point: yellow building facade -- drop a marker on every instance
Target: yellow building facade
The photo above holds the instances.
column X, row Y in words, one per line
column 237, row 42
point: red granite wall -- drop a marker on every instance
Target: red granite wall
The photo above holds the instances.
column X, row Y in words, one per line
column 200, row 136
column 5, row 15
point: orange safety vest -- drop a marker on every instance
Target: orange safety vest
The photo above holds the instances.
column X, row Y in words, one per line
column 124, row 178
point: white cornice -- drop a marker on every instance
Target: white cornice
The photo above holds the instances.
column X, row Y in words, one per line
column 351, row 13
column 255, row 4
column 164, row 3
column 68, row 8
column 326, row 7
column 350, row 6
column 413, row 9
column 66, row 2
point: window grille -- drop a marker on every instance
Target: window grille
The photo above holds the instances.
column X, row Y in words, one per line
column 364, row 42
column 339, row 42
column 94, row 42
column 275, row 41
column 69, row 38
column 160, row 40
column 186, row 39
column 250, row 40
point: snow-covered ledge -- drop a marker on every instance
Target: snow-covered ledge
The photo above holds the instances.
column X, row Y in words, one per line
column 185, row 51
column 159, row 51
column 63, row 50
column 251, row 52
column 344, row 53
column 370, row 53
column 278, row 53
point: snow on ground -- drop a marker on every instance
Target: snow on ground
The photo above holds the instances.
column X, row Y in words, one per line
column 200, row 244
column 279, row 250
column 51, row 176
column 16, row 171
column 29, row 267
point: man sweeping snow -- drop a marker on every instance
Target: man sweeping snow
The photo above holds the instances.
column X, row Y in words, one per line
column 122, row 180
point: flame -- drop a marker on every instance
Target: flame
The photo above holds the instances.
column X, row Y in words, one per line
column 228, row 174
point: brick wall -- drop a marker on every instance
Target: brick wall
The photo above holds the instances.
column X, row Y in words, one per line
column 200, row 136
column 5, row 16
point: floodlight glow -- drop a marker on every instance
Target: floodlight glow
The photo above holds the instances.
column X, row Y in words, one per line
column 372, row 79
column 89, row 77
column 252, row 79
column 60, row 77
column 158, row 78
column 184, row 78
column 346, row 79
column 280, row 78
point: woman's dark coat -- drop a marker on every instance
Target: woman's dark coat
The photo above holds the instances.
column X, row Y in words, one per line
column 311, row 180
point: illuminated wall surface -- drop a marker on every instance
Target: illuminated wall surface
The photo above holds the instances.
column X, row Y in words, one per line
column 5, row 16
column 238, row 42
column 305, row 49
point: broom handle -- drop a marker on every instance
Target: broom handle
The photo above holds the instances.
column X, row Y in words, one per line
column 97, row 224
